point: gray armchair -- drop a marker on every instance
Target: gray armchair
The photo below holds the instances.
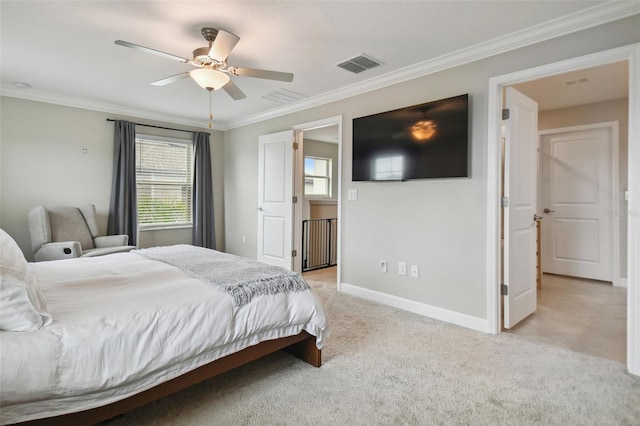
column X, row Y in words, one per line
column 63, row 232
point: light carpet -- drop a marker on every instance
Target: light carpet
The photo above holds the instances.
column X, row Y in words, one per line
column 384, row 366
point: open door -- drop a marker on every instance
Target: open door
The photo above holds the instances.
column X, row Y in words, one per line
column 275, row 198
column 520, row 191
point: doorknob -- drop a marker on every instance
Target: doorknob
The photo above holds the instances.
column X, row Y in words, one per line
column 548, row 211
column 259, row 209
column 536, row 218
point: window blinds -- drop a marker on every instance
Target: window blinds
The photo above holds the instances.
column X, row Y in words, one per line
column 164, row 182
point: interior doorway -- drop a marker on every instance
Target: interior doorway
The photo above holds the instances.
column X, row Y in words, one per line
column 578, row 178
column 630, row 56
column 317, row 186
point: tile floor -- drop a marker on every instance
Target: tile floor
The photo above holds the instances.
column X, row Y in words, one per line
column 583, row 315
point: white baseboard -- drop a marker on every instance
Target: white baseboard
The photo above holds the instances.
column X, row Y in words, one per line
column 622, row 282
column 457, row 318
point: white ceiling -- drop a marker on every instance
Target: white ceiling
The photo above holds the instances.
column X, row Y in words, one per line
column 585, row 86
column 66, row 50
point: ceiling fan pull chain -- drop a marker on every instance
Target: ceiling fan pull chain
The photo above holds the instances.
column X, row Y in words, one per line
column 210, row 107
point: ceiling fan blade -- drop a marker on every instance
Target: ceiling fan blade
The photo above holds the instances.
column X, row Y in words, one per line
column 222, row 45
column 152, row 51
column 171, row 79
column 233, row 91
column 269, row 75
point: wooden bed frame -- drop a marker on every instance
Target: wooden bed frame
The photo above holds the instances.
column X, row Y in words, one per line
column 302, row 346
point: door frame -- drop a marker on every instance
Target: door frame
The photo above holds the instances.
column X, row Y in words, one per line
column 613, row 127
column 298, row 188
column 631, row 54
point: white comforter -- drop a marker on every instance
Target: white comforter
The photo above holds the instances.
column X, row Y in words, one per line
column 122, row 324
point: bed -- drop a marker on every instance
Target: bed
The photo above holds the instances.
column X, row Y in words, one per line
column 114, row 332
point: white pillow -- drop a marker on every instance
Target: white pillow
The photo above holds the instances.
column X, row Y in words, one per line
column 22, row 306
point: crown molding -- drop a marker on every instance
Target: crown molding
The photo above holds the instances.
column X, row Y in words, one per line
column 587, row 18
column 88, row 104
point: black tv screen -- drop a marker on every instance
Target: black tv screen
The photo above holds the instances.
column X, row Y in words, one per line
column 423, row 141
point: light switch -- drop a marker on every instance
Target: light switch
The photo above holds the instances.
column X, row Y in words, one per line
column 352, row 194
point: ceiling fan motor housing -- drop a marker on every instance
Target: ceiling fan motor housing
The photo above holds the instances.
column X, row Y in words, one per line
column 201, row 56
column 209, row 34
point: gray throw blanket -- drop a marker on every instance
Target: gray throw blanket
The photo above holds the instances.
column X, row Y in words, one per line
column 242, row 279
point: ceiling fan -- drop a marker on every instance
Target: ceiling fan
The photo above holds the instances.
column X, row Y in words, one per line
column 213, row 71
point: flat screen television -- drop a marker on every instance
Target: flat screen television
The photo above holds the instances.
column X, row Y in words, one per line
column 423, row 141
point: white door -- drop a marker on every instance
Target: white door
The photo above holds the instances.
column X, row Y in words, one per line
column 577, row 201
column 520, row 188
column 275, row 191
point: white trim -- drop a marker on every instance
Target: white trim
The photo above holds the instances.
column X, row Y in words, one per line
column 581, row 20
column 298, row 129
column 622, row 283
column 587, row 18
column 91, row 105
column 326, row 201
column 169, row 139
column 435, row 312
column 633, row 217
column 629, row 53
column 613, row 127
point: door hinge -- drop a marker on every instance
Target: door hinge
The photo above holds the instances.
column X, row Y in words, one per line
column 295, row 146
column 505, row 201
column 294, row 253
column 294, row 199
column 505, row 114
column 504, row 290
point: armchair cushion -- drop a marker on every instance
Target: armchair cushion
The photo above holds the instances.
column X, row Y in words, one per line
column 22, row 306
column 68, row 224
column 106, row 250
column 111, row 241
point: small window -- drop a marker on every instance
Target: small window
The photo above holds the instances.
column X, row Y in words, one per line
column 389, row 168
column 164, row 174
column 317, row 177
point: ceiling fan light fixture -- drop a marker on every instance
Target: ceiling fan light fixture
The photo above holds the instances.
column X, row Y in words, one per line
column 209, row 79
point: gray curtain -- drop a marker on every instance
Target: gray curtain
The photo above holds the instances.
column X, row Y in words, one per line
column 123, row 214
column 204, row 234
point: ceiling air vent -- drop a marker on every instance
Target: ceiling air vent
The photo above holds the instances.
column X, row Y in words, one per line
column 359, row 63
column 284, row 96
column 576, row 81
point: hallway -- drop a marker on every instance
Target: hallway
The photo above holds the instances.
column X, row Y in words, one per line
column 583, row 315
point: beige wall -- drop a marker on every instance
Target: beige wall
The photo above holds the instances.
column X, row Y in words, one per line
column 437, row 224
column 615, row 110
column 323, row 210
column 42, row 162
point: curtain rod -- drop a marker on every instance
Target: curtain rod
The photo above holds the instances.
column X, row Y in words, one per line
column 157, row 127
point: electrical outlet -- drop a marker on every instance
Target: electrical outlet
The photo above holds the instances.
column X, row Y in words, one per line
column 414, row 271
column 383, row 266
column 402, row 268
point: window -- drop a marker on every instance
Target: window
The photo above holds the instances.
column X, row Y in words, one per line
column 317, row 177
column 389, row 168
column 164, row 174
